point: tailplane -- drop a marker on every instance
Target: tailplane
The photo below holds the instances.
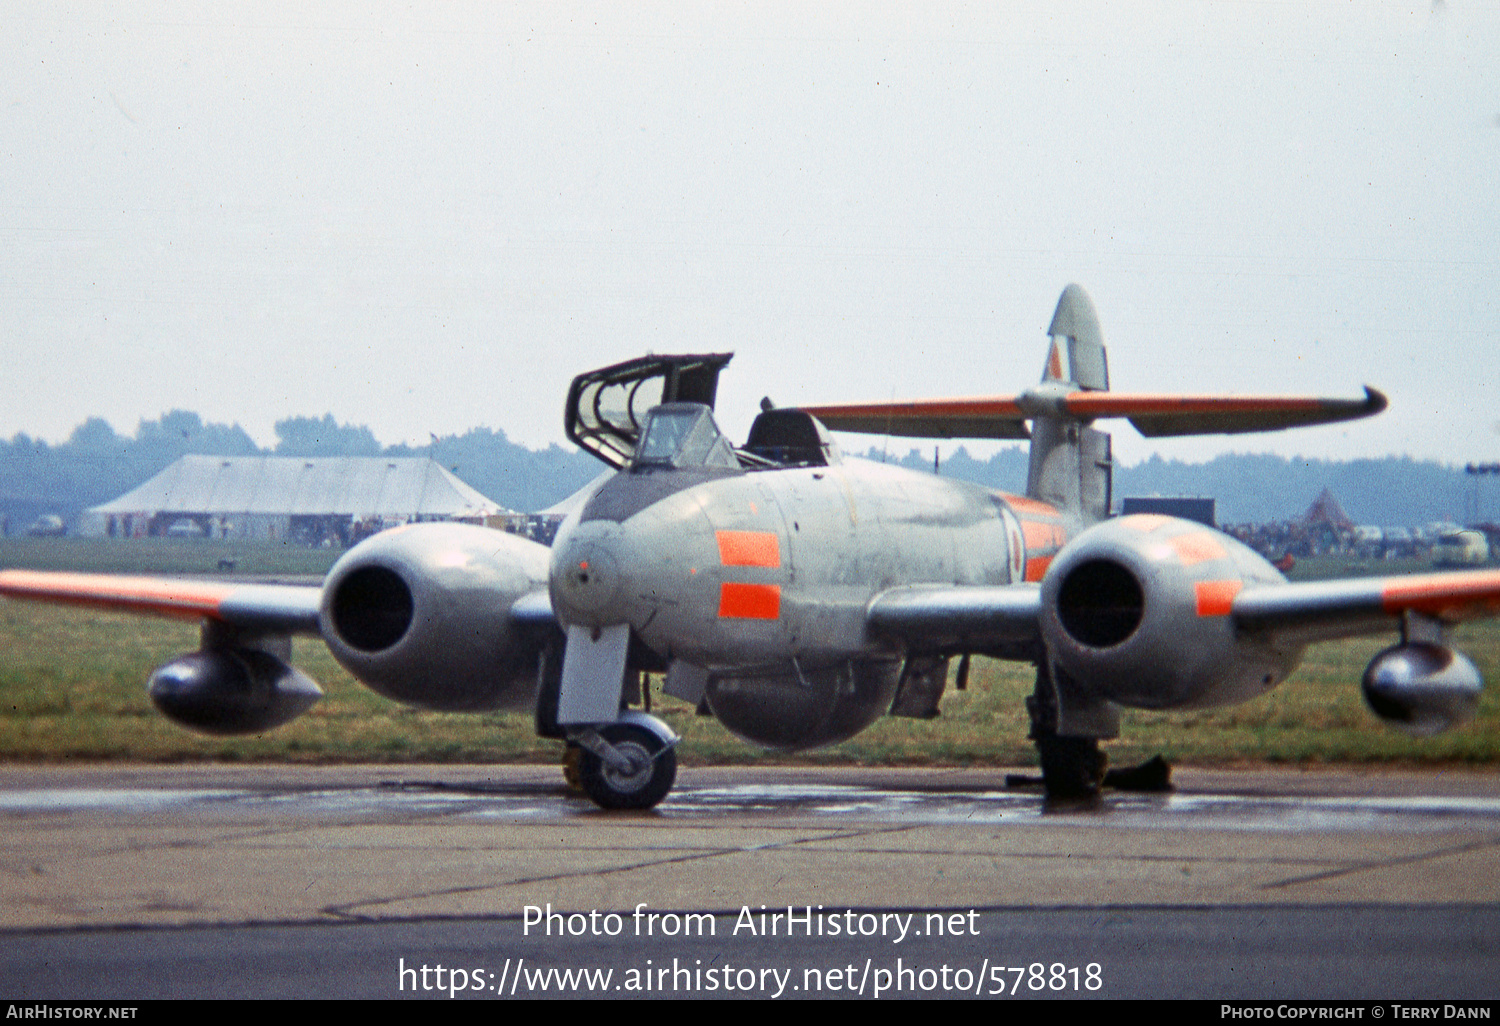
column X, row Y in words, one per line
column 1070, row 461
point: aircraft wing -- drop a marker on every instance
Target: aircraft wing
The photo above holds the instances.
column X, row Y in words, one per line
column 981, row 616
column 274, row 608
column 1309, row 611
column 1008, row 616
column 279, row 608
column 1154, row 416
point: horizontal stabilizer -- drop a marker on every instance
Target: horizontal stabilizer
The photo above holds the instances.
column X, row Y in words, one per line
column 1154, row 416
column 928, row 418
column 1162, row 416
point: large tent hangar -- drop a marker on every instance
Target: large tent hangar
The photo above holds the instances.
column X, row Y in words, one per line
column 311, row 501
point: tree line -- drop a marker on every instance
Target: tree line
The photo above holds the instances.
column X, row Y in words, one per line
column 96, row 464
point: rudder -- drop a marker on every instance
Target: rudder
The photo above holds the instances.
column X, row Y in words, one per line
column 1071, row 462
column 1076, row 354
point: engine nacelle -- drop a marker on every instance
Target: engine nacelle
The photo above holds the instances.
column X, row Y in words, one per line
column 807, row 708
column 1136, row 611
column 1422, row 688
column 231, row 691
column 421, row 614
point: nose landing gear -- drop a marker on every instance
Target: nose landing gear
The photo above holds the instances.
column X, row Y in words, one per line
column 628, row 764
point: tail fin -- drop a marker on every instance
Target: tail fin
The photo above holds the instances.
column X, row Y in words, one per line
column 1071, row 462
column 1076, row 354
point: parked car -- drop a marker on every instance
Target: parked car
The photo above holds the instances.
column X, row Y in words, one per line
column 48, row 525
column 1460, row 548
column 185, row 527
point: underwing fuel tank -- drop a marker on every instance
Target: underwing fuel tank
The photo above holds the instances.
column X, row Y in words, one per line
column 1136, row 611
column 231, row 691
column 805, row 708
column 1422, row 688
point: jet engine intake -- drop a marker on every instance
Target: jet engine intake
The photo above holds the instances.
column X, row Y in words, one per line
column 1136, row 612
column 422, row 615
column 1421, row 687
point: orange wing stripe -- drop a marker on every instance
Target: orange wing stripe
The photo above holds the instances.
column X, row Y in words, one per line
column 749, row 548
column 1443, row 595
column 187, row 600
column 749, row 601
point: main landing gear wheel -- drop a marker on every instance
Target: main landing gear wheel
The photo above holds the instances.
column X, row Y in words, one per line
column 653, row 769
column 1072, row 767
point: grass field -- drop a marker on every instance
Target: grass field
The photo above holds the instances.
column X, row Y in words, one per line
column 165, row 555
column 72, row 686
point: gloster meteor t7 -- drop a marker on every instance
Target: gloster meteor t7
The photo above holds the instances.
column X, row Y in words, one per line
column 798, row 594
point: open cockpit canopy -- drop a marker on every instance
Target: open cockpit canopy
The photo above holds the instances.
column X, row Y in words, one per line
column 657, row 412
column 607, row 408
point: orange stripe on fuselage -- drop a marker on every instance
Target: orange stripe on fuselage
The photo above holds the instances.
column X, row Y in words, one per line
column 1216, row 598
column 1036, row 568
column 1021, row 504
column 1041, row 530
column 1043, row 536
column 749, row 601
column 749, row 548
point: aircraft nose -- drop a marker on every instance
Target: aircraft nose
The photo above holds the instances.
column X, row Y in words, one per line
column 586, row 575
column 660, row 567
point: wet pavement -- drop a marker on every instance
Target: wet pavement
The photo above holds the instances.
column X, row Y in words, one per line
column 99, row 860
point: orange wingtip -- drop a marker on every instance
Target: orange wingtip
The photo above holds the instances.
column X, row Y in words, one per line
column 1452, row 596
column 164, row 596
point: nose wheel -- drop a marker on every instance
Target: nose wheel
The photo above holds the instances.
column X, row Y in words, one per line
column 634, row 771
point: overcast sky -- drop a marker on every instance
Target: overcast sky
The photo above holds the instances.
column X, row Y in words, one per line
column 426, row 218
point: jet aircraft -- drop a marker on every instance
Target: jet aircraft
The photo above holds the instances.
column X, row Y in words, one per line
column 798, row 594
